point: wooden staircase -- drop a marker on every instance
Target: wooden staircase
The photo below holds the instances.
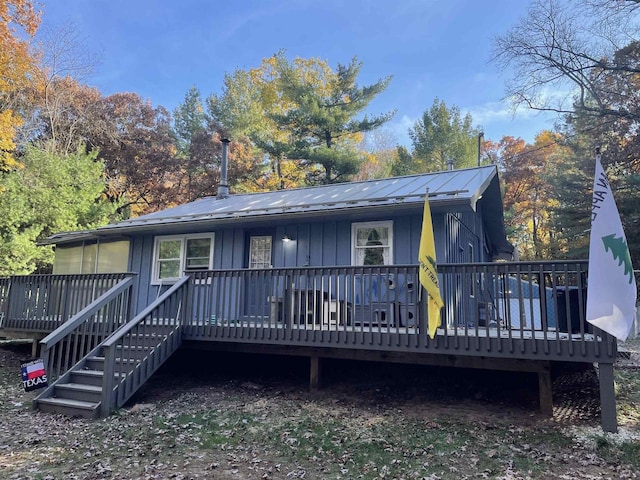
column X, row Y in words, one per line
column 79, row 392
column 107, row 376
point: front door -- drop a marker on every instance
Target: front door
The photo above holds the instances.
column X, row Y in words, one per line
column 257, row 289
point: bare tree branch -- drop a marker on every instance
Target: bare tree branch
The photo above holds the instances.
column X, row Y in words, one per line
column 588, row 50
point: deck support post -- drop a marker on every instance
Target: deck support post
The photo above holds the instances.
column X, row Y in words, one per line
column 34, row 347
column 545, row 390
column 608, row 416
column 314, row 372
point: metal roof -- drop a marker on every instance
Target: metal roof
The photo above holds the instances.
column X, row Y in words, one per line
column 461, row 187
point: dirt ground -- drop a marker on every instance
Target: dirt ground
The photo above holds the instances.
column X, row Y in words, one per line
column 244, row 417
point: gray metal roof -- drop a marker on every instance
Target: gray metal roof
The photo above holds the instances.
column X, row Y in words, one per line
column 460, row 187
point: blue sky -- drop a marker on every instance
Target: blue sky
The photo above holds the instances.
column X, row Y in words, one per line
column 159, row 49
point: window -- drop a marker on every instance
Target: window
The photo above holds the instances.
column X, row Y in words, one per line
column 92, row 257
column 260, row 252
column 113, row 257
column 175, row 254
column 372, row 243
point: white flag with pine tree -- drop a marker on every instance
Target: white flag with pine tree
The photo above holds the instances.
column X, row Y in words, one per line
column 611, row 294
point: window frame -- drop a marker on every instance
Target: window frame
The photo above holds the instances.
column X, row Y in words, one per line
column 97, row 264
column 251, row 239
column 155, row 273
column 355, row 226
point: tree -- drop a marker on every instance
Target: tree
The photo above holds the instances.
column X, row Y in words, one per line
column 135, row 142
column 590, row 47
column 18, row 23
column 243, row 111
column 441, row 136
column 593, row 48
column 196, row 149
column 62, row 107
column 571, row 182
column 64, row 115
column 52, row 193
column 199, row 138
column 380, row 147
column 323, row 111
column 189, row 119
column 403, row 164
column 302, row 115
column 528, row 200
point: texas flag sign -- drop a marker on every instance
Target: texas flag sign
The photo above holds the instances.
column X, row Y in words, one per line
column 33, row 375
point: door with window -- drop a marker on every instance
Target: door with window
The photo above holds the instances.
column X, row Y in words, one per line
column 374, row 298
column 258, row 284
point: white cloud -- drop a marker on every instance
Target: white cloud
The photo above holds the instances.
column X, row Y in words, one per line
column 499, row 111
column 400, row 129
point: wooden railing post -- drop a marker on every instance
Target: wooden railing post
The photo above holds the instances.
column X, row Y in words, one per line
column 5, row 312
column 109, row 353
column 287, row 302
column 422, row 316
column 188, row 300
column 45, row 360
column 65, row 303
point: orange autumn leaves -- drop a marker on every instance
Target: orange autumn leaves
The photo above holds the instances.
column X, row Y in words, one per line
column 19, row 21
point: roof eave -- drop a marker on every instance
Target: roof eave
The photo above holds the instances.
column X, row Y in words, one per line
column 120, row 229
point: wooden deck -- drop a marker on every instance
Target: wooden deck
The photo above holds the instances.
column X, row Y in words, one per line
column 507, row 316
column 505, row 310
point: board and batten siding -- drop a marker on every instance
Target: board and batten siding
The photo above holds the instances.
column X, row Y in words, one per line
column 317, row 243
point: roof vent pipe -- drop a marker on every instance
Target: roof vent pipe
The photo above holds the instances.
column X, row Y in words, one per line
column 223, row 188
column 450, row 164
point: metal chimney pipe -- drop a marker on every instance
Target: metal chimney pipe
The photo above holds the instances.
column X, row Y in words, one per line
column 223, row 188
column 450, row 163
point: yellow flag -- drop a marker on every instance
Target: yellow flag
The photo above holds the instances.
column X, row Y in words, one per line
column 428, row 270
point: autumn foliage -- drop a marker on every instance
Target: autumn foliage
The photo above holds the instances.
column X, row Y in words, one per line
column 18, row 19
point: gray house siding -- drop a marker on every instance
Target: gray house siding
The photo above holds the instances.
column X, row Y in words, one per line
column 315, row 243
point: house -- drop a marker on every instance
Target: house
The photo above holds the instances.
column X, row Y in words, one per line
column 327, row 271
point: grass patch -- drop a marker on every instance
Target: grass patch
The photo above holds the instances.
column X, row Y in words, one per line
column 368, row 447
column 615, row 453
column 628, row 396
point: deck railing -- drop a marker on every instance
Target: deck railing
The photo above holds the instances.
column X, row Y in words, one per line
column 510, row 309
column 136, row 350
column 41, row 303
column 74, row 339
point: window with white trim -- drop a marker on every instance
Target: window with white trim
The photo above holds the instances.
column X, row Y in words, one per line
column 260, row 251
column 372, row 243
column 176, row 253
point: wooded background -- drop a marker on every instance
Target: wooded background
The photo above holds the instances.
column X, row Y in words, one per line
column 72, row 158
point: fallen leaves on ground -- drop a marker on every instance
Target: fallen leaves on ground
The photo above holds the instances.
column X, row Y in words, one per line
column 239, row 427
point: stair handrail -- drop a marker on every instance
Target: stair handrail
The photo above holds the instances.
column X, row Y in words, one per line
column 121, row 292
column 109, row 401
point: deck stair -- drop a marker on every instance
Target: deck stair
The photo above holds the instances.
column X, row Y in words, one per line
column 79, row 392
column 105, row 378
